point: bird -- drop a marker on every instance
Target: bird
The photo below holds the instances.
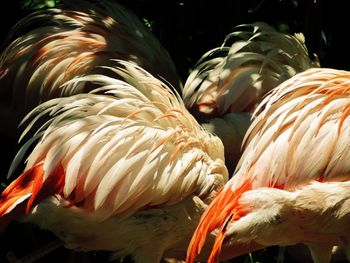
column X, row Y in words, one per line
column 316, row 214
column 291, row 184
column 51, row 46
column 116, row 168
column 229, row 81
column 48, row 47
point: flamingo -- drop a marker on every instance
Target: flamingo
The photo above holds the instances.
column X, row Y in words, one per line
column 76, row 38
column 117, row 168
column 291, row 184
column 229, row 81
column 49, row 47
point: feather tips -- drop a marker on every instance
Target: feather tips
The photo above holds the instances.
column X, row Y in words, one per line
column 28, row 190
column 126, row 147
column 76, row 40
column 298, row 137
column 258, row 60
column 299, row 122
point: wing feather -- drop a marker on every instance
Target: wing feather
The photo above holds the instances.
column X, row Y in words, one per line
column 126, row 148
column 252, row 60
column 299, row 124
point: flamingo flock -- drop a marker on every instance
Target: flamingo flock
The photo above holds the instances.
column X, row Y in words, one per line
column 118, row 156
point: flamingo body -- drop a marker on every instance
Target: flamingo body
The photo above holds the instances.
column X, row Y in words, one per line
column 235, row 77
column 115, row 169
column 299, row 137
column 49, row 47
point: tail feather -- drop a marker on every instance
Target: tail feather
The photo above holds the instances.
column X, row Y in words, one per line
column 223, row 209
column 27, row 191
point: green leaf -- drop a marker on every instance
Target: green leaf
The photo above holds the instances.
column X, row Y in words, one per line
column 50, row 3
column 148, row 24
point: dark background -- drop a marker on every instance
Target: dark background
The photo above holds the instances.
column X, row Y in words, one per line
column 189, row 28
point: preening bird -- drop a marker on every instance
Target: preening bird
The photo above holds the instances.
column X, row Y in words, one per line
column 229, row 81
column 77, row 38
column 291, row 184
column 125, row 168
column 317, row 214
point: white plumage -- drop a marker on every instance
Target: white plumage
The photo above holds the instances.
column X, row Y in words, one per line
column 77, row 38
column 297, row 142
column 316, row 214
column 235, row 77
column 132, row 152
column 228, row 82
